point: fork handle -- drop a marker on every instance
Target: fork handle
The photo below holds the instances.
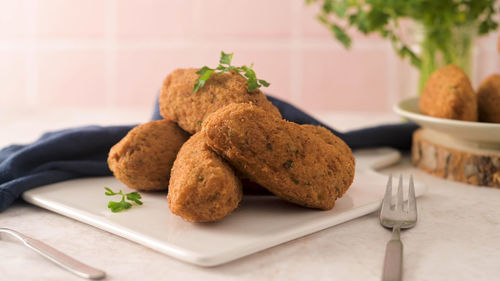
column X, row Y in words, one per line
column 57, row 257
column 64, row 260
column 393, row 262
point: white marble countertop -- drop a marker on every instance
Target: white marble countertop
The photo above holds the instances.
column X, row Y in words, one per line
column 457, row 236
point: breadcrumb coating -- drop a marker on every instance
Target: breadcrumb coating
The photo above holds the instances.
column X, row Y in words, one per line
column 189, row 110
column 203, row 187
column 283, row 157
column 144, row 157
column 448, row 94
column 488, row 99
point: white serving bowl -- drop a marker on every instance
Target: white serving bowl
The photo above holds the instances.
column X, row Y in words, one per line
column 475, row 132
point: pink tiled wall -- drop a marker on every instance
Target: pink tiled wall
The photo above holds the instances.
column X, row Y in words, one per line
column 115, row 53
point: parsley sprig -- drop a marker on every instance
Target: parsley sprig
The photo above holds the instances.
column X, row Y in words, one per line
column 122, row 205
column 446, row 27
column 253, row 83
column 383, row 17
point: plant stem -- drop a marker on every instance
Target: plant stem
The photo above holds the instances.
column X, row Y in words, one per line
column 454, row 47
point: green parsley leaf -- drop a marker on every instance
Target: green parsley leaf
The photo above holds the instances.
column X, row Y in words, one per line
column 109, row 192
column 225, row 66
column 264, row 83
column 341, row 35
column 205, row 73
column 252, row 84
column 134, row 196
column 225, row 58
column 119, row 206
column 203, row 70
column 438, row 18
column 122, row 205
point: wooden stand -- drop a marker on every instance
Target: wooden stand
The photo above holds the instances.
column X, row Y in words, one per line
column 456, row 160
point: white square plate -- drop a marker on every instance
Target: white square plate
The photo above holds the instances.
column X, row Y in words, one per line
column 259, row 222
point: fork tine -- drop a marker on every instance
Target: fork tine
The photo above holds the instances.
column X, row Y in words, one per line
column 400, row 201
column 412, row 202
column 386, row 203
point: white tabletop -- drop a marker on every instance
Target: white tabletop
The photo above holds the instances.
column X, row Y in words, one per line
column 457, row 236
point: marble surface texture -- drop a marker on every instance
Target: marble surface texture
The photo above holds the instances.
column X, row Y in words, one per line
column 457, row 236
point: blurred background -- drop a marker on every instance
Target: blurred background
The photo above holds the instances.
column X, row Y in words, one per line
column 109, row 54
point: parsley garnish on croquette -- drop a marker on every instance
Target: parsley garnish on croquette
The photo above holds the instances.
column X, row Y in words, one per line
column 225, row 66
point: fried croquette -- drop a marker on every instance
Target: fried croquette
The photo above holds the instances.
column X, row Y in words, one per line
column 488, row 99
column 144, row 157
column 331, row 139
column 327, row 136
column 449, row 94
column 203, row 187
column 284, row 157
column 253, row 188
column 189, row 110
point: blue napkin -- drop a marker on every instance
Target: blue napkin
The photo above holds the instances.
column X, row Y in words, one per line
column 82, row 152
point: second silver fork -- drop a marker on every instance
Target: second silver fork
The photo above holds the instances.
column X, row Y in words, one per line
column 397, row 217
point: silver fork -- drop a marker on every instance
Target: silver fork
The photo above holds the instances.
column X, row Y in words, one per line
column 56, row 256
column 397, row 217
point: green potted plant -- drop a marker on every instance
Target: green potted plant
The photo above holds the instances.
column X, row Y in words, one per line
column 448, row 27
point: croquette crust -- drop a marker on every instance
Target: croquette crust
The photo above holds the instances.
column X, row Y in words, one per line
column 345, row 151
column 448, row 94
column 144, row 157
column 203, row 187
column 284, row 157
column 488, row 99
column 179, row 103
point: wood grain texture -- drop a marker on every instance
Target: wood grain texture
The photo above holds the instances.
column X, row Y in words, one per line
column 454, row 160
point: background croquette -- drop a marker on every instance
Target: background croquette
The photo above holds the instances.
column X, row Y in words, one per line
column 448, row 94
column 488, row 99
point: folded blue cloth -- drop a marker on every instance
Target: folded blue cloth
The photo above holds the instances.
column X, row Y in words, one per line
column 82, row 152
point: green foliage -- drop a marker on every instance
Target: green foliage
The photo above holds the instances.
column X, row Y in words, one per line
column 438, row 17
column 253, row 83
column 122, row 204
